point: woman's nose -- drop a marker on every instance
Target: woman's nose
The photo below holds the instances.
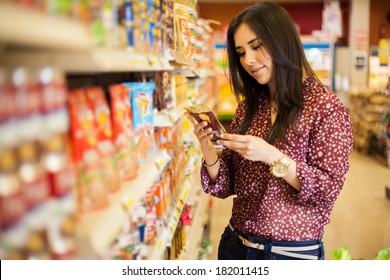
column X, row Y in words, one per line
column 250, row 60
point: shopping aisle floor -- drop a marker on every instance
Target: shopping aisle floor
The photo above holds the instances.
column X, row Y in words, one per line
column 360, row 217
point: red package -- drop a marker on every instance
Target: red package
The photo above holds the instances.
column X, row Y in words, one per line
column 91, row 192
column 105, row 145
column 123, row 132
column 35, row 185
column 12, row 206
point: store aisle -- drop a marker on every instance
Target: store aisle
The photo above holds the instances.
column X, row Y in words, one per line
column 360, row 219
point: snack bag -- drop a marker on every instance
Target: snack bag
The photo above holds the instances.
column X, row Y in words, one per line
column 141, row 95
column 124, row 137
column 182, row 34
column 91, row 192
column 167, row 22
column 203, row 113
column 12, row 204
column 105, row 146
column 55, row 139
column 164, row 97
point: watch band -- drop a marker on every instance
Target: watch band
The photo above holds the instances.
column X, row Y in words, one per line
column 279, row 168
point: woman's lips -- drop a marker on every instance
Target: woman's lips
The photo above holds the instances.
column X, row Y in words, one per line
column 257, row 70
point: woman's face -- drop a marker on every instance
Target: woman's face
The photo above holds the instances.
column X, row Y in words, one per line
column 253, row 56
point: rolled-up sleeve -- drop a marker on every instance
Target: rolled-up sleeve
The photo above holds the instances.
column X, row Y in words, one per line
column 223, row 186
column 322, row 175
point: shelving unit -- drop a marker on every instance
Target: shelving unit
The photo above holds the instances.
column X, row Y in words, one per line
column 96, row 59
column 26, row 27
column 167, row 233
column 97, row 230
column 197, row 226
column 30, row 38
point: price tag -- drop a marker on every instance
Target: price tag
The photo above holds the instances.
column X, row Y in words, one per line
column 177, row 216
column 128, row 202
column 173, row 116
column 162, row 160
column 135, row 62
column 164, row 62
column 185, row 194
column 154, row 62
column 160, row 244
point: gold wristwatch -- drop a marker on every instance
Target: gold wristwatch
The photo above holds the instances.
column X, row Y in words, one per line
column 279, row 168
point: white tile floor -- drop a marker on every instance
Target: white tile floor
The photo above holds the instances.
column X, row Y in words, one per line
column 360, row 218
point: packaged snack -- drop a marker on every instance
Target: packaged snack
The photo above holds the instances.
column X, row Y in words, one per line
column 141, row 26
column 141, row 95
column 106, row 148
column 164, row 97
column 124, row 135
column 129, row 23
column 167, row 22
column 91, row 192
column 35, row 185
column 202, row 113
column 54, row 140
column 163, row 138
column 12, row 205
column 182, row 35
column 59, row 169
column 115, row 24
column 180, row 84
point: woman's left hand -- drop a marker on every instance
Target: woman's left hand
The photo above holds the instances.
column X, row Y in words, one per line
column 250, row 147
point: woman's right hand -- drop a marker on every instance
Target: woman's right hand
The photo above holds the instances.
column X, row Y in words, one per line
column 203, row 134
column 210, row 154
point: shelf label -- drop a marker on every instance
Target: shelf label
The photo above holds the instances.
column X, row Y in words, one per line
column 154, row 61
column 160, row 244
column 128, row 202
column 162, row 160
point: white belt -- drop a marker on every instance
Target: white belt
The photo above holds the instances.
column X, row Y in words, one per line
column 281, row 250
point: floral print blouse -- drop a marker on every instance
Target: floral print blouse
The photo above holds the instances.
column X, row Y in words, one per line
column 320, row 144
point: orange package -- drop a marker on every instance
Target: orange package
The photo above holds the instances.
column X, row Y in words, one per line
column 123, row 137
column 105, row 145
column 91, row 192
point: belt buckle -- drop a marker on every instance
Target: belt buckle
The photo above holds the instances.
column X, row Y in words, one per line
column 250, row 244
column 246, row 242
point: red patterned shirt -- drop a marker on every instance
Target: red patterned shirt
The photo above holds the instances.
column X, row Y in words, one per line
column 320, row 144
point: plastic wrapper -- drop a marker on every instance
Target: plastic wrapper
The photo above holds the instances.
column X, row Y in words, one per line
column 203, row 113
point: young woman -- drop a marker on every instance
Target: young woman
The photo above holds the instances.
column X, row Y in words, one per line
column 286, row 155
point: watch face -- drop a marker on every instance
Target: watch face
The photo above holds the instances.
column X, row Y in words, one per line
column 279, row 169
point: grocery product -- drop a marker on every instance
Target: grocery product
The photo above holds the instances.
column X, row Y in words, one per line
column 202, row 113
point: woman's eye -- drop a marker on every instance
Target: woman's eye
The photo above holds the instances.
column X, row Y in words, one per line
column 241, row 54
column 257, row 47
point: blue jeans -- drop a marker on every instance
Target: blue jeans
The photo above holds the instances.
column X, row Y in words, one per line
column 231, row 247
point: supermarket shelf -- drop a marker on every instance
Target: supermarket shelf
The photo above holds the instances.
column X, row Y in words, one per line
column 179, row 58
column 204, row 73
column 166, row 235
column 195, row 234
column 94, row 60
column 184, row 70
column 27, row 27
column 68, row 45
column 97, row 230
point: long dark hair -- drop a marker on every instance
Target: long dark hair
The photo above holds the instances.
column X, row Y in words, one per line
column 276, row 30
